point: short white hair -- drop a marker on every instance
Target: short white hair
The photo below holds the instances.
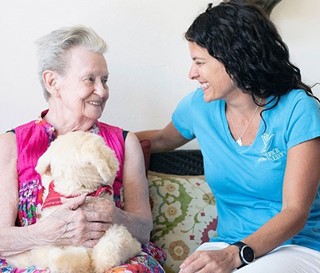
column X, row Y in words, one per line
column 53, row 48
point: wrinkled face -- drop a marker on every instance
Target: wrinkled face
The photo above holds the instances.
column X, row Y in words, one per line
column 210, row 73
column 83, row 87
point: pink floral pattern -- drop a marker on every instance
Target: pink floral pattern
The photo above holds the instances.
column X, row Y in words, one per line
column 30, row 195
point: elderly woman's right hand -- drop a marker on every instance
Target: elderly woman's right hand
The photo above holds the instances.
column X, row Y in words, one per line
column 70, row 225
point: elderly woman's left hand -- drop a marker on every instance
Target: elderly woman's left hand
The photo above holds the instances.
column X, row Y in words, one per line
column 99, row 213
column 98, row 209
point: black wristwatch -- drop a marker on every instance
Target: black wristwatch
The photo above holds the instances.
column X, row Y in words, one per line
column 246, row 253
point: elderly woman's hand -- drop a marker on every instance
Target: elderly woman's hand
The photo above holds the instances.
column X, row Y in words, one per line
column 79, row 221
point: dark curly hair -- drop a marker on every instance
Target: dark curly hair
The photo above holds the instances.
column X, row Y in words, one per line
column 248, row 44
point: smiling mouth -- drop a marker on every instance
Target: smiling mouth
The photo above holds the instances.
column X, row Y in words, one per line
column 95, row 103
column 204, row 85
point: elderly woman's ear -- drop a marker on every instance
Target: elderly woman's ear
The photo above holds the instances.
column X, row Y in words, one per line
column 49, row 78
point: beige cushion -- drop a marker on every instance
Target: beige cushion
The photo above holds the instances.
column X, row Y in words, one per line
column 184, row 215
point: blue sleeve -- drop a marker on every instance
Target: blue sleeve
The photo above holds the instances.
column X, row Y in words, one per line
column 304, row 122
column 182, row 117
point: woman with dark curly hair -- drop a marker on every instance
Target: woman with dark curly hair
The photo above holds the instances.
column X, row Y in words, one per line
column 258, row 127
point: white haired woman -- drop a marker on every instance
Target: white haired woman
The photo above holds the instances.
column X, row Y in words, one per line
column 74, row 74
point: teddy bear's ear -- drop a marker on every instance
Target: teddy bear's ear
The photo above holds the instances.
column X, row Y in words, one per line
column 106, row 163
column 44, row 162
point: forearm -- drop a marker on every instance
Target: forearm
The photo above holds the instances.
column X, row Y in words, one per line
column 63, row 226
column 20, row 239
column 163, row 140
column 157, row 143
column 139, row 227
column 15, row 240
column 279, row 229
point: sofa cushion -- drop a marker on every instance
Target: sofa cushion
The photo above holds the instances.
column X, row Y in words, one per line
column 184, row 215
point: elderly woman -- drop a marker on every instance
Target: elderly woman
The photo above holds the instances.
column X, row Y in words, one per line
column 74, row 75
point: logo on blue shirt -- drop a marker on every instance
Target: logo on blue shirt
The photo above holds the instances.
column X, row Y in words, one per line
column 267, row 153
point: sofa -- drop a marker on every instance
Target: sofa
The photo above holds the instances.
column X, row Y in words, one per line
column 183, row 207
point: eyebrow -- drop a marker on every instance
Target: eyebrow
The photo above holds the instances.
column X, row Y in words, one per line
column 198, row 58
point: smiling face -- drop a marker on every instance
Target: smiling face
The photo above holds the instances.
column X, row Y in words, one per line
column 210, row 73
column 83, row 89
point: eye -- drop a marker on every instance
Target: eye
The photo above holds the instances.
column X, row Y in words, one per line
column 198, row 63
column 104, row 82
column 89, row 79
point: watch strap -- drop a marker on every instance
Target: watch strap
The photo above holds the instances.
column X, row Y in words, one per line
column 241, row 246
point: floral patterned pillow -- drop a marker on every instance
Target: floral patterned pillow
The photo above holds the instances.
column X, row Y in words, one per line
column 184, row 215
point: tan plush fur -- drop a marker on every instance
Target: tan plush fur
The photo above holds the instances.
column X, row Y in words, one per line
column 80, row 162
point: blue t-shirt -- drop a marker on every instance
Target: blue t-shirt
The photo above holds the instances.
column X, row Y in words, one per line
column 247, row 180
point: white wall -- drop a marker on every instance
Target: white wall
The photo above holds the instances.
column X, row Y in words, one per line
column 148, row 58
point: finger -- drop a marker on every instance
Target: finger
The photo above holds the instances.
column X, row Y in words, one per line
column 96, row 235
column 98, row 203
column 98, row 212
column 98, row 226
column 86, row 228
column 93, row 216
column 90, row 243
column 77, row 236
column 92, row 199
column 195, row 266
column 191, row 262
column 75, row 202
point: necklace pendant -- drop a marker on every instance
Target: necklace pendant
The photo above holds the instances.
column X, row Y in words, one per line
column 239, row 141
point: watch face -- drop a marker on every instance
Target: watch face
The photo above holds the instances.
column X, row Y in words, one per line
column 247, row 254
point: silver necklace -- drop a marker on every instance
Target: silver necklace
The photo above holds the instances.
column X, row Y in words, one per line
column 239, row 139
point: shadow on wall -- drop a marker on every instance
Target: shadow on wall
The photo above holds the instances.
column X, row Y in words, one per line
column 316, row 89
column 265, row 5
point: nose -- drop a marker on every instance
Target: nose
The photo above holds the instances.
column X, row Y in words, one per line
column 193, row 73
column 101, row 89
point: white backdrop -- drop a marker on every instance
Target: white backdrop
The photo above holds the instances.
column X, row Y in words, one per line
column 147, row 55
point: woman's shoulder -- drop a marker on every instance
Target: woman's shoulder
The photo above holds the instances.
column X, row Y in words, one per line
column 7, row 143
column 22, row 129
column 298, row 99
column 296, row 95
column 7, row 137
column 30, row 126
